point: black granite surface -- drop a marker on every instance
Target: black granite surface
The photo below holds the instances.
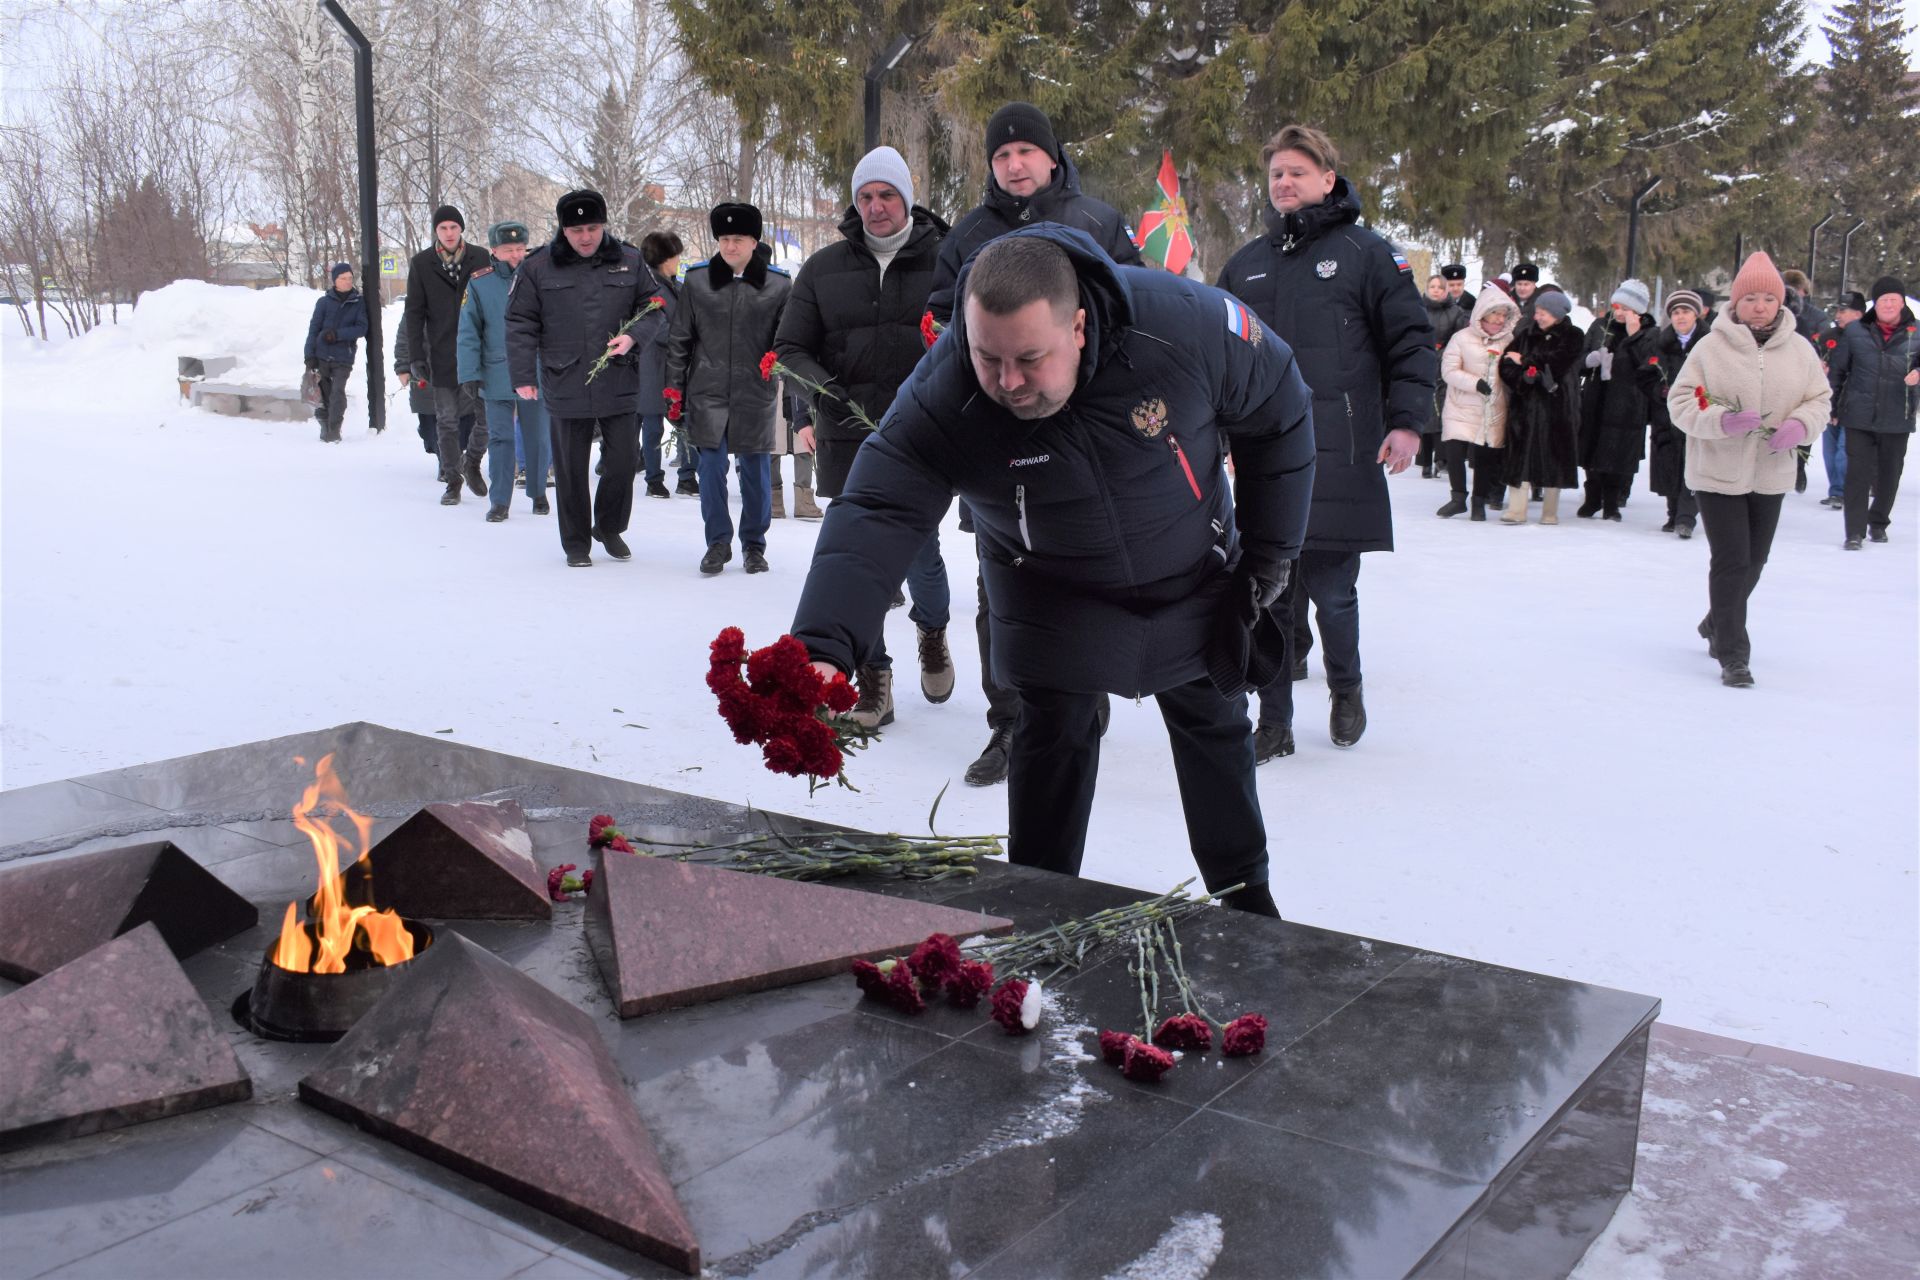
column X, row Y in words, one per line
column 1413, row 1113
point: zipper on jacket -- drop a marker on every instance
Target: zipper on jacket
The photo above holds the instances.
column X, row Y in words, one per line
column 1181, row 455
column 1352, row 444
column 1020, row 505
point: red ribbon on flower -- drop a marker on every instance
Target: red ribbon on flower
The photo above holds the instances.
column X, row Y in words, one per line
column 929, row 329
column 672, row 395
column 785, row 706
column 767, row 363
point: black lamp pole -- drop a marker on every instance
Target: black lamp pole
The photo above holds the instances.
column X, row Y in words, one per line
column 886, row 62
column 369, row 207
column 1633, row 222
column 1846, row 250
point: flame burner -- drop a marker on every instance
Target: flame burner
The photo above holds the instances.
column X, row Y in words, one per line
column 287, row 1005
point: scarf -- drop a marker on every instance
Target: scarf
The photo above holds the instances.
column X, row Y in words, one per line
column 1760, row 335
column 450, row 260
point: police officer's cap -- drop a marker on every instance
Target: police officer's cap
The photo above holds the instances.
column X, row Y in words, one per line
column 508, row 232
column 1453, row 271
column 1526, row 271
column 581, row 208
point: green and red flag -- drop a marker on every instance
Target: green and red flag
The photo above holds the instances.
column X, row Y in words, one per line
column 1164, row 236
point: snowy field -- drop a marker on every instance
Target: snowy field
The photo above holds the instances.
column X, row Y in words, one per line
column 1553, row 777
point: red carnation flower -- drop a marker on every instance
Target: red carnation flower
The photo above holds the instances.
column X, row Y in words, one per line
column 840, row 695
column 1532, row 372
column 586, row 882
column 936, row 960
column 1653, row 361
column 768, row 363
column 1006, row 1005
column 1113, row 1047
column 556, row 879
column 1832, row 343
column 619, row 845
column 1145, row 1063
column 1244, row 1035
column 1188, row 1032
column 656, row 301
column 672, row 396
column 729, row 646
column 903, row 993
column 597, row 829
column 1700, row 396
column 929, row 329
column 869, row 978
column 972, row 980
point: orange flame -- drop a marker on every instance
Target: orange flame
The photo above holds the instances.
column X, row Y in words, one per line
column 336, row 928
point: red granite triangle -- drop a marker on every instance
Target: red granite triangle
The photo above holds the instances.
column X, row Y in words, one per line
column 669, row 933
column 475, row 1065
column 114, row 1038
column 54, row 911
column 470, row 861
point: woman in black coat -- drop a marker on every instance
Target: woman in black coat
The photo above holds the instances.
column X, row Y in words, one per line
column 1687, row 320
column 1613, row 402
column 1447, row 317
column 1543, row 409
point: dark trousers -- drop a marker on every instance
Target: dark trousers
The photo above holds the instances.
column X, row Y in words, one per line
column 653, row 429
column 332, row 408
column 1330, row 580
column 1486, row 470
column 1875, row 460
column 1739, row 534
column 1608, row 489
column 1003, row 705
column 1056, row 757
column 1683, row 507
column 452, row 409
column 1431, row 447
column 612, row 501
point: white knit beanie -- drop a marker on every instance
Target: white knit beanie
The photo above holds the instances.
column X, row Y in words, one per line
column 884, row 164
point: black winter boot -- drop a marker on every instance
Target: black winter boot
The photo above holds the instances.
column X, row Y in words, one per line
column 1455, row 505
column 755, row 561
column 1736, row 675
column 1348, row 719
column 1255, row 900
column 716, row 558
column 1272, row 742
column 991, row 767
column 475, row 481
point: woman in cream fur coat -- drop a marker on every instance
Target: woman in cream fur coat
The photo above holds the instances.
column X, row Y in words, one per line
column 1473, row 419
column 1750, row 393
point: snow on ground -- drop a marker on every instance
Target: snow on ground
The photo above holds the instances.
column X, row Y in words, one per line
column 1553, row 777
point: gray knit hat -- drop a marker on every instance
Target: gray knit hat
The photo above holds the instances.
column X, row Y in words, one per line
column 1554, row 301
column 1685, row 298
column 1633, row 295
column 884, row 164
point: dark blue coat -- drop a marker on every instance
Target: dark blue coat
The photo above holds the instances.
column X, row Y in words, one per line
column 561, row 311
column 1868, row 374
column 1345, row 301
column 650, row 344
column 1106, row 531
column 346, row 315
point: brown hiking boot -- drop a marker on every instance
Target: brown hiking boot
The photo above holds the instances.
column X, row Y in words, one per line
column 875, row 707
column 804, row 507
column 936, row 664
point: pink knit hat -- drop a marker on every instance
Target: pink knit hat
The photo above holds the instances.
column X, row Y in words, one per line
column 1758, row 275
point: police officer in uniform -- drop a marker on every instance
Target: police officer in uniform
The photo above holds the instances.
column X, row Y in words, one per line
column 1456, row 277
column 1080, row 408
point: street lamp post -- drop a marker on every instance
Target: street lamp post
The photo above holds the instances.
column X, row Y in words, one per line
column 1846, row 251
column 1633, row 222
column 886, row 62
column 1813, row 245
column 369, row 207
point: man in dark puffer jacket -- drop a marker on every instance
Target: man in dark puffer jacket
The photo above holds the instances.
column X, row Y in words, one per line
column 1089, row 443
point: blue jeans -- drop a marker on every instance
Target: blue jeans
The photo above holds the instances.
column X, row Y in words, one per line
column 1833, row 448
column 756, row 496
column 932, row 597
column 504, row 420
column 653, row 429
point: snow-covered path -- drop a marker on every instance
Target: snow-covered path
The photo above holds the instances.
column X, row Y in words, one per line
column 1553, row 777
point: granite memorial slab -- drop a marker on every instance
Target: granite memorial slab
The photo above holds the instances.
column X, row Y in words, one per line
column 1413, row 1114
column 114, row 1038
column 467, row 861
column 54, row 911
column 669, row 933
column 477, row 1066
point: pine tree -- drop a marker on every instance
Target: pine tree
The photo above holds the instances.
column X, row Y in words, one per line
column 145, row 242
column 1868, row 144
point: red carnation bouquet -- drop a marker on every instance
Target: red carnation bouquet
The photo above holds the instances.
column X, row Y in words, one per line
column 775, row 698
column 770, row 367
column 930, row 329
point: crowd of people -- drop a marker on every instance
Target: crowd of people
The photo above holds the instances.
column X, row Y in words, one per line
column 1169, row 485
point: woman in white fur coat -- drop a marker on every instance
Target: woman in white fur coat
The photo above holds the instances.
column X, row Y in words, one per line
column 1750, row 393
column 1473, row 418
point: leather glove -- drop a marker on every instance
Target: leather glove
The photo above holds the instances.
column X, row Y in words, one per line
column 313, row 362
column 1739, row 424
column 1266, row 580
column 1484, row 387
column 328, row 336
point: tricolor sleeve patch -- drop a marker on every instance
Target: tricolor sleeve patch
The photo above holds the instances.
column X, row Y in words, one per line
column 1400, row 261
column 1241, row 323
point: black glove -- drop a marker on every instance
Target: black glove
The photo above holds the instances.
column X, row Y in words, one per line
column 313, row 362
column 420, row 373
column 1266, row 580
column 328, row 336
column 1483, row 387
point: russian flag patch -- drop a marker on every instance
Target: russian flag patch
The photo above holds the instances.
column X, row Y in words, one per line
column 1400, row 261
column 1241, row 323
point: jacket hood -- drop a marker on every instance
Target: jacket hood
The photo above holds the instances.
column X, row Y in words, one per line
column 1104, row 292
column 755, row 274
column 564, row 255
column 1489, row 301
column 1292, row 230
column 1066, row 182
column 351, row 295
column 925, row 223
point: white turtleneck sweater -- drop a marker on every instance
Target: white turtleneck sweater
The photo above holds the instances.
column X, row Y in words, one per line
column 885, row 247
